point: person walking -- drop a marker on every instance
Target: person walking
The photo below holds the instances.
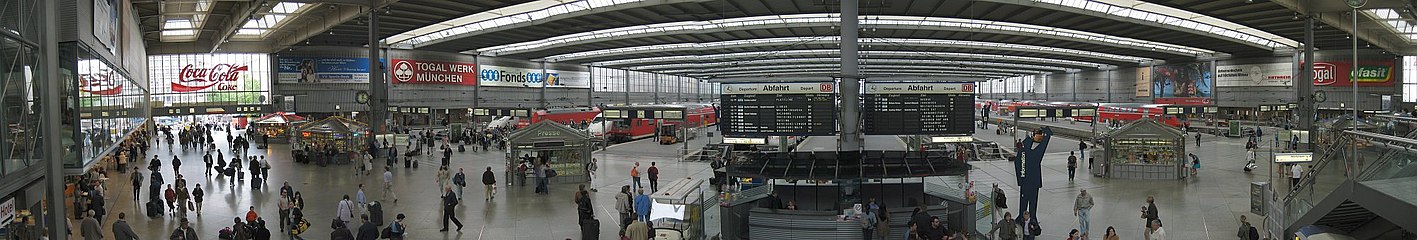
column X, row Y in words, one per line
column 182, row 197
column 443, row 177
column 169, row 197
column 1155, row 232
column 344, row 212
column 90, row 227
column 1296, row 172
column 367, row 230
column 590, row 173
column 541, row 178
column 184, row 231
column 360, row 200
column 207, row 158
column 1005, row 228
column 642, row 206
column 137, row 178
column 489, row 182
column 625, row 206
column 121, row 230
column 197, row 194
column 1072, row 165
column 653, row 178
column 450, row 202
column 635, row 176
column 1082, row 150
column 284, row 204
column 1246, row 232
column 1150, row 213
column 176, row 164
column 1081, row 207
column 389, row 186
column 1198, row 139
column 460, row 180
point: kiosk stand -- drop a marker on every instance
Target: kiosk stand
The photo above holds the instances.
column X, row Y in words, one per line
column 565, row 150
column 1146, row 149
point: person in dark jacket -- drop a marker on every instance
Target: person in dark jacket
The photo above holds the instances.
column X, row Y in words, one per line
column 239, row 230
column 260, row 233
column 121, row 230
column 460, row 180
column 450, row 202
column 341, row 232
column 367, row 230
column 490, row 182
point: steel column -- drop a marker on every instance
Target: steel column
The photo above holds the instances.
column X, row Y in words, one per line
column 51, row 127
column 378, row 88
column 850, row 139
column 543, row 84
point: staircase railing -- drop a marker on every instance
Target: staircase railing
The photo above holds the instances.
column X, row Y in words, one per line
column 1305, row 187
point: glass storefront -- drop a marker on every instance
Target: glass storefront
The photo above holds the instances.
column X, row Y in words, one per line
column 110, row 104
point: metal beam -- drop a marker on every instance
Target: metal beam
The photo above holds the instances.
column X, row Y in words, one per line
column 1380, row 36
column 239, row 17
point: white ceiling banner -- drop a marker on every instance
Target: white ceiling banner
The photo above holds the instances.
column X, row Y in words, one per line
column 498, row 76
column 1255, row 75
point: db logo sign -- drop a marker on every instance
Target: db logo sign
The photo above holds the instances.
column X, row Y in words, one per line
column 825, row 87
column 967, row 87
column 403, row 71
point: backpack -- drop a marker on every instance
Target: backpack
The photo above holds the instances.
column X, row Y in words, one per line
column 1254, row 233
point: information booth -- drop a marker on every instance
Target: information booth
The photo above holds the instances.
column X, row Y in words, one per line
column 277, row 126
column 565, row 150
column 340, row 134
column 1145, row 149
column 817, row 195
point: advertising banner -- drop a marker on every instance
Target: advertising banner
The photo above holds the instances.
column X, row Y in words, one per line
column 407, row 71
column 239, row 78
column 1143, row 83
column 1368, row 74
column 498, row 76
column 97, row 78
column 7, row 212
column 106, row 23
column 1190, row 80
column 322, row 70
column 1255, row 75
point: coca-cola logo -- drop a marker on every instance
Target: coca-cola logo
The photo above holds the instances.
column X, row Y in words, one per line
column 1325, row 74
column 100, row 84
column 222, row 76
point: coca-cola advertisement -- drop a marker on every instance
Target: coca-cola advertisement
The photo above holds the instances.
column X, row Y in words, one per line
column 222, row 76
column 189, row 78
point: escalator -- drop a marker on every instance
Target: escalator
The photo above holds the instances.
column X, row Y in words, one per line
column 1367, row 191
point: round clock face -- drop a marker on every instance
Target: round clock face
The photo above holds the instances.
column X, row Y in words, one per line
column 1356, row 3
column 362, row 97
column 1320, row 96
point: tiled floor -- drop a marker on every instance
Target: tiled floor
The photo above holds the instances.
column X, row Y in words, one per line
column 1204, row 207
column 516, row 213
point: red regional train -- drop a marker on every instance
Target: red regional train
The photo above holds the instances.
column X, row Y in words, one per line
column 566, row 116
column 697, row 115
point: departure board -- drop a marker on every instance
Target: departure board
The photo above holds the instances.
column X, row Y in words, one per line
column 779, row 109
column 918, row 108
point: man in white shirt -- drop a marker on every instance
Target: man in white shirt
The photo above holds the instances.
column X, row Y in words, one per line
column 1296, row 172
column 389, row 185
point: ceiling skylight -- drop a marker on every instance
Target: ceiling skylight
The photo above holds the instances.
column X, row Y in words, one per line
column 1395, row 22
column 263, row 23
column 182, row 21
column 1203, row 24
column 827, row 20
column 779, row 56
column 502, row 17
column 790, row 41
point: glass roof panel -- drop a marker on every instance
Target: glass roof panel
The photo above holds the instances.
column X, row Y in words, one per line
column 526, row 12
column 1176, row 17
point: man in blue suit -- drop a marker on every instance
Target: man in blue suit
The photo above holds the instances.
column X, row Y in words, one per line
column 1029, row 172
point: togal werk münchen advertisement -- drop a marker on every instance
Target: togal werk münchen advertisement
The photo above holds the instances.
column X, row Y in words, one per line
column 498, row 76
column 407, row 71
column 1254, row 75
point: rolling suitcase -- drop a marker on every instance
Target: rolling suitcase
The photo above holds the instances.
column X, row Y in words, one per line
column 590, row 229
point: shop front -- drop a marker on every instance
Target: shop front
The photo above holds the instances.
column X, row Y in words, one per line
column 562, row 148
column 277, row 126
column 1145, row 149
column 330, row 140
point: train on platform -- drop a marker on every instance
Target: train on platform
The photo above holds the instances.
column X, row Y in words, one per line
column 1124, row 112
column 697, row 115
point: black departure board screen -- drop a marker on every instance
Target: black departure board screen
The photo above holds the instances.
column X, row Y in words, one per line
column 779, row 109
column 918, row 108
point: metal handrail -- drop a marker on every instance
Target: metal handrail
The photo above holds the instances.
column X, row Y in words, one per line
column 1319, row 164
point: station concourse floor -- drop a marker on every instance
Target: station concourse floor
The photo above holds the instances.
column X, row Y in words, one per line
column 1204, row 207
column 515, row 213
